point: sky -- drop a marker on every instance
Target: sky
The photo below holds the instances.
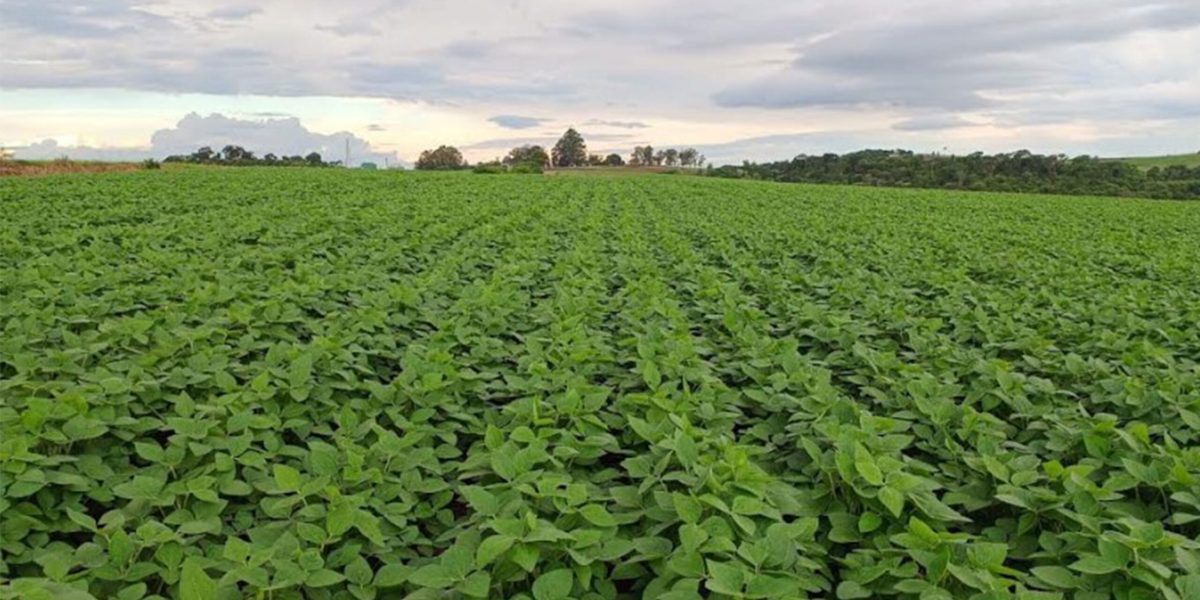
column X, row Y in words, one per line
column 744, row 80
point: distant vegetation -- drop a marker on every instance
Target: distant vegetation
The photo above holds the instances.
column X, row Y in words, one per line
column 1175, row 177
column 570, row 152
column 1162, row 162
column 444, row 158
column 237, row 156
column 1020, row 171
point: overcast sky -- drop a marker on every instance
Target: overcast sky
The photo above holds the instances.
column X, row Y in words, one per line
column 745, row 79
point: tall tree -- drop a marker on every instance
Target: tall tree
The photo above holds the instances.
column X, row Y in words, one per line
column 570, row 151
column 614, row 160
column 642, row 156
column 444, row 158
column 671, row 157
column 688, row 157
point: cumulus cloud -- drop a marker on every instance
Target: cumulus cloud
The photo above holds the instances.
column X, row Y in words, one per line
column 280, row 136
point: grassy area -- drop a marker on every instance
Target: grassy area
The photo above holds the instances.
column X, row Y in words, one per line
column 1147, row 162
column 334, row 384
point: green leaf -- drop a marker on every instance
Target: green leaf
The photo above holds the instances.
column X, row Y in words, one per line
column 140, row 488
column 491, row 548
column 724, row 578
column 851, row 590
column 81, row 428
column 988, row 555
column 554, row 585
column 892, row 500
column 392, row 575
column 323, row 578
column 340, row 519
column 864, row 463
column 483, row 501
column 686, row 450
column 598, row 515
column 287, row 478
column 1188, row 586
column 476, row 585
column 1096, row 565
column 1059, row 577
column 432, row 576
column 194, row 583
column 688, row 508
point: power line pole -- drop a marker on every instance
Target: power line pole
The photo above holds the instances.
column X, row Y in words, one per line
column 347, row 163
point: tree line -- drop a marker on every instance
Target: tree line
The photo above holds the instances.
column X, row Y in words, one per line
column 1021, row 171
column 569, row 152
column 238, row 156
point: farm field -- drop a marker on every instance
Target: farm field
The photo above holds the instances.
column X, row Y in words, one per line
column 276, row 383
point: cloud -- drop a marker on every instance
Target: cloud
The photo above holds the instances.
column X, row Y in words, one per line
column 542, row 140
column 50, row 149
column 730, row 70
column 285, row 136
column 349, row 28
column 376, row 127
column 932, row 123
column 80, row 19
column 516, row 122
column 234, row 13
column 618, row 124
column 279, row 136
column 955, row 59
column 471, row 49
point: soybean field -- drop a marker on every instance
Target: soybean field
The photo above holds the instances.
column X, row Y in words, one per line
column 286, row 384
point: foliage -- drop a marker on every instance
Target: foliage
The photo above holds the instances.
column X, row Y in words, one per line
column 237, row 156
column 1020, row 171
column 570, row 150
column 614, row 160
column 150, row 164
column 443, row 158
column 528, row 155
column 337, row 384
column 491, row 168
column 643, row 156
